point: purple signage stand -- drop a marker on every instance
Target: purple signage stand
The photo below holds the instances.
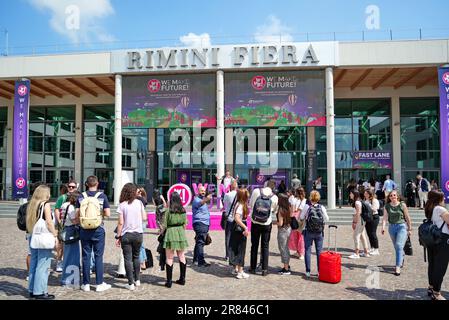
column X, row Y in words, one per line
column 20, row 138
column 443, row 78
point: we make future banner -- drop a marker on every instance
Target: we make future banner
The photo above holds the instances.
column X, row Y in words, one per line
column 20, row 137
column 443, row 76
column 272, row 99
column 169, row 101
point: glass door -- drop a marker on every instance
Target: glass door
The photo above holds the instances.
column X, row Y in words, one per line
column 343, row 177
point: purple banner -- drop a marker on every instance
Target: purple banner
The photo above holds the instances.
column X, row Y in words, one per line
column 371, row 160
column 169, row 101
column 20, row 138
column 258, row 179
column 273, row 99
column 443, row 76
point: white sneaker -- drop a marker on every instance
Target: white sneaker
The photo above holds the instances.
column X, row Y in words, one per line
column 137, row 283
column 301, row 258
column 307, row 274
column 363, row 254
column 130, row 287
column 85, row 287
column 59, row 266
column 354, row 256
column 103, row 287
column 242, row 275
column 234, row 273
column 375, row 252
column 28, row 278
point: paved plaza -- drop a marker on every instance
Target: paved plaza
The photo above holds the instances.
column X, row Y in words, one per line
column 366, row 278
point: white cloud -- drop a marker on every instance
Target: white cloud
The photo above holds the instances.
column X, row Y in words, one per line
column 194, row 40
column 273, row 31
column 78, row 20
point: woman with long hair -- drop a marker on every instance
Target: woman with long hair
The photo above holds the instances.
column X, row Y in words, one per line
column 284, row 217
column 296, row 240
column 175, row 222
column 130, row 232
column 400, row 226
column 438, row 255
column 239, row 234
column 142, row 196
column 39, row 208
column 358, row 228
column 371, row 226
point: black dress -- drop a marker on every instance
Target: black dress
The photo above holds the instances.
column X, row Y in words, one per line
column 237, row 246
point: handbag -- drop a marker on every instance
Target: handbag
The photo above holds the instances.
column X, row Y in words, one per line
column 69, row 234
column 208, row 240
column 408, row 250
column 225, row 215
column 41, row 237
column 236, row 227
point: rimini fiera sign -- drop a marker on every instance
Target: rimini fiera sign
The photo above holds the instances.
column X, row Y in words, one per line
column 319, row 54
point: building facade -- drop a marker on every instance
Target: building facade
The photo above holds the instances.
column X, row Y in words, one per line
column 366, row 99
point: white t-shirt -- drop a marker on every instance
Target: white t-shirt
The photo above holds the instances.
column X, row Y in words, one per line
column 71, row 214
column 227, row 181
column 299, row 204
column 227, row 203
column 437, row 220
column 239, row 210
column 358, row 204
column 375, row 205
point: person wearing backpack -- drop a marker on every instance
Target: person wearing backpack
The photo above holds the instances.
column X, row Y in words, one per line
column 71, row 247
column 400, row 226
column 315, row 216
column 358, row 224
column 130, row 232
column 91, row 207
column 43, row 231
column 161, row 208
column 438, row 254
column 264, row 204
column 371, row 226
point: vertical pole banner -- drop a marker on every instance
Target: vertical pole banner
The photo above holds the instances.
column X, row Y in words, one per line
column 20, row 138
column 443, row 78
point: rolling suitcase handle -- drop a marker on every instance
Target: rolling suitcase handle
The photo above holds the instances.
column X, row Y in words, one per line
column 329, row 238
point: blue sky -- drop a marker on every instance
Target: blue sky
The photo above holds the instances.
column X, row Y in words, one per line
column 44, row 22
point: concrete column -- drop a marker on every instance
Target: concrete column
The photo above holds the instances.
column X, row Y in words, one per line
column 9, row 141
column 79, row 144
column 396, row 141
column 330, row 134
column 220, row 124
column 229, row 150
column 118, row 139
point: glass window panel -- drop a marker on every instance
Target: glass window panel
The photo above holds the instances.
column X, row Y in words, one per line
column 343, row 142
column 91, row 144
column 370, row 107
column 90, row 128
column 343, row 159
column 99, row 113
column 3, row 114
column 50, row 144
column 419, row 107
column 37, row 114
column 343, row 125
column 343, row 108
column 36, row 144
column 36, row 129
column 61, row 113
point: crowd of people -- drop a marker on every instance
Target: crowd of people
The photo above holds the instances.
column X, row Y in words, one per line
column 76, row 231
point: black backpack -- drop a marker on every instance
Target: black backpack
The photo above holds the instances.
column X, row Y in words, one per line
column 429, row 234
column 315, row 219
column 262, row 208
column 409, row 189
column 22, row 217
column 367, row 212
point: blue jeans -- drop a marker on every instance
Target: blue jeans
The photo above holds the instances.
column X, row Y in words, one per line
column 309, row 238
column 39, row 271
column 92, row 240
column 398, row 234
column 142, row 254
column 201, row 231
column 71, row 264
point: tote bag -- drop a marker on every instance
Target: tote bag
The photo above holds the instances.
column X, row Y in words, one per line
column 42, row 238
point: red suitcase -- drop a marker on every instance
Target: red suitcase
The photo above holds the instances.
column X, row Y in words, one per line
column 330, row 262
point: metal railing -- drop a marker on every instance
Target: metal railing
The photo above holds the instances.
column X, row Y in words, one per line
column 342, row 36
